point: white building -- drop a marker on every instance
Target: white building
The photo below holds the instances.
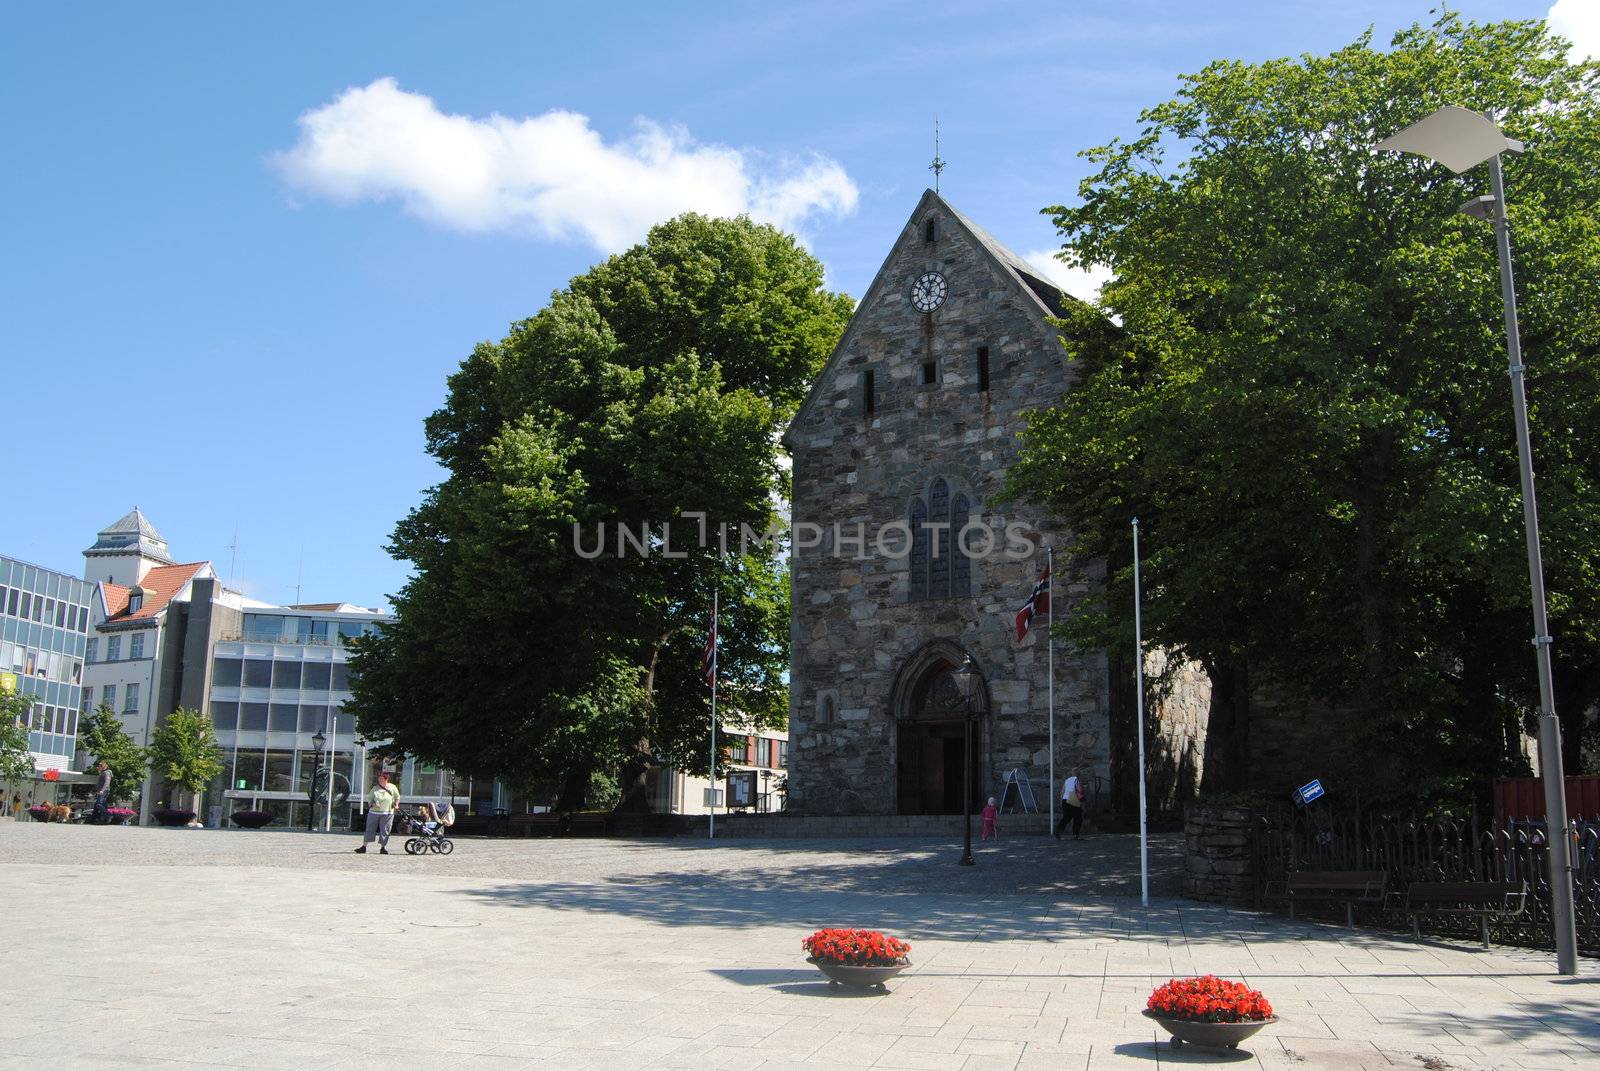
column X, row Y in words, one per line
column 756, row 782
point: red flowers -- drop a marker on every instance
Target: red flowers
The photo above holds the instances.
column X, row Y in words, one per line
column 1209, row 1000
column 857, row 948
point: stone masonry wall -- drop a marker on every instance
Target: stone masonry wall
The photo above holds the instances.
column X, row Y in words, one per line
column 854, row 627
column 1217, row 858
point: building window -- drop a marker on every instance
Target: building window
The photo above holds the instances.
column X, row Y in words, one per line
column 91, row 650
column 88, row 700
column 113, row 648
column 109, row 699
column 930, row 229
column 930, row 372
column 83, row 619
column 11, row 602
column 869, row 392
column 136, row 645
column 783, row 754
column 983, row 368
column 135, row 601
column 939, row 564
column 738, row 751
column 130, row 701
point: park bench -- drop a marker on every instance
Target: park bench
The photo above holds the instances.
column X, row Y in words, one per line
column 586, row 825
column 536, row 825
column 1485, row 899
column 1347, row 887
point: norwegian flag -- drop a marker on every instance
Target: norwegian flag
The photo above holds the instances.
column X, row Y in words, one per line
column 1038, row 603
column 708, row 660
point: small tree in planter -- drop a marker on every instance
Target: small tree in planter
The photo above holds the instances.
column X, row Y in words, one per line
column 16, row 763
column 103, row 736
column 184, row 752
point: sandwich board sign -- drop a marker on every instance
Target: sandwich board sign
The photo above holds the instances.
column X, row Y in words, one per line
column 1017, row 782
column 1306, row 793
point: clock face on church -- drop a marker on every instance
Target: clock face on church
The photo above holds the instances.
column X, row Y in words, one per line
column 927, row 293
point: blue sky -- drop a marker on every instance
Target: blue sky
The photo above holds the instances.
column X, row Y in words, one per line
column 233, row 288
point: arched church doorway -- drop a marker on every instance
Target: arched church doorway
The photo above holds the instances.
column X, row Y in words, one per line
column 930, row 724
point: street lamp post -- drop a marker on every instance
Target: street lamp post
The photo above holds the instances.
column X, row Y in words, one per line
column 1460, row 140
column 966, row 678
column 318, row 742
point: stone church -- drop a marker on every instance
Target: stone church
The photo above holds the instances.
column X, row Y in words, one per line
column 904, row 564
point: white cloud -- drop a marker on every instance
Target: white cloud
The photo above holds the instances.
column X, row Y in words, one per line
column 1082, row 283
column 548, row 175
column 1579, row 22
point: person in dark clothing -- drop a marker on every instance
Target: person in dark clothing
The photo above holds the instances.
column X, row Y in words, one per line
column 102, row 793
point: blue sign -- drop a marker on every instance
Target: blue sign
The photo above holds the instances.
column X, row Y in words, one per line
column 1307, row 793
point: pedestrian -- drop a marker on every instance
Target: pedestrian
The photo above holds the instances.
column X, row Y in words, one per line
column 384, row 799
column 102, row 792
column 1072, row 796
column 989, row 814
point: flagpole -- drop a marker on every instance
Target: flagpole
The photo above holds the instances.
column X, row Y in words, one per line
column 1050, row 646
column 1138, row 669
column 711, row 831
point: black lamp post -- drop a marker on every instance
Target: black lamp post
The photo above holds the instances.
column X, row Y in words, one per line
column 966, row 678
column 317, row 742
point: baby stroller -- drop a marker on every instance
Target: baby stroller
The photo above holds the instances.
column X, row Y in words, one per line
column 428, row 836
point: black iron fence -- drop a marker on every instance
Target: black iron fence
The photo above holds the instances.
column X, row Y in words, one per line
column 1435, row 849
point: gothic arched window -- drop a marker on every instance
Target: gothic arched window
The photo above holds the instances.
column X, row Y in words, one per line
column 939, row 565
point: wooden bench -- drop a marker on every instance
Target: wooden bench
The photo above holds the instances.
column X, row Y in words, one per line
column 1485, row 899
column 536, row 825
column 586, row 825
column 1347, row 887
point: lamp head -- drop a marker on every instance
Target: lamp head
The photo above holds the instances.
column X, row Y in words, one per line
column 319, row 740
column 1458, row 138
column 1479, row 208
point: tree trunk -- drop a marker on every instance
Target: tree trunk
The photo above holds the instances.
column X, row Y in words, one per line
column 633, row 782
column 1227, row 752
column 574, row 789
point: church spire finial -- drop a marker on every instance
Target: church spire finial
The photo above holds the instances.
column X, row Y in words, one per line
column 938, row 165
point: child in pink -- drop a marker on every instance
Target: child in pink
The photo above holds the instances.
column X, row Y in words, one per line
column 989, row 813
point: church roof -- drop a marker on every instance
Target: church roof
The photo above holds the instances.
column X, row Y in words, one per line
column 132, row 532
column 1047, row 300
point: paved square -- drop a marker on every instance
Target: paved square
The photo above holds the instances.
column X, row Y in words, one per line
column 149, row 948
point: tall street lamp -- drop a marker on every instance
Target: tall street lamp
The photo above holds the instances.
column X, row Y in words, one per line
column 966, row 678
column 1460, row 140
column 317, row 744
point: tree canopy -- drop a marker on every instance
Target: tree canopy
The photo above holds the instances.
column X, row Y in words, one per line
column 1304, row 397
column 652, row 386
column 102, row 737
column 184, row 751
column 16, row 761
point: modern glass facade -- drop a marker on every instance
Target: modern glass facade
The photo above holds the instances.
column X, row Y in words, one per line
column 44, row 620
column 276, row 683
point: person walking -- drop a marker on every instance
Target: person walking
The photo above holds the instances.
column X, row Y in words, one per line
column 102, row 793
column 382, row 802
column 1072, row 796
column 989, row 815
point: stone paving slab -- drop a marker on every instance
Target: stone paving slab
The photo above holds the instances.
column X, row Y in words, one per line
column 135, row 948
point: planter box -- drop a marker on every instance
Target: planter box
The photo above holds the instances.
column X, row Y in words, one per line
column 174, row 818
column 857, row 977
column 252, row 819
column 1209, row 1035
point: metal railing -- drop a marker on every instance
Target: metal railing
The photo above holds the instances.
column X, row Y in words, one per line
column 1434, row 850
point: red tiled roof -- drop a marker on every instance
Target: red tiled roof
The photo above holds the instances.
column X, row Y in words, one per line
column 159, row 584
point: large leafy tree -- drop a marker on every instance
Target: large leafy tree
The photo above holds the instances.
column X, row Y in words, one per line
column 184, row 751
column 16, row 761
column 102, row 737
column 1304, row 398
column 654, row 385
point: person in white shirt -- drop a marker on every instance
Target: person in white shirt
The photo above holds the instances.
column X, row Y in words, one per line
column 1072, row 796
column 384, row 800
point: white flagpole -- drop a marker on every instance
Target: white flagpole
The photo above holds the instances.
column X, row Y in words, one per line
column 711, row 831
column 1138, row 669
column 1050, row 646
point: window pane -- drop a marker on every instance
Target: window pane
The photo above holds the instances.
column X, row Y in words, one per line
column 286, row 675
column 960, row 564
column 248, row 768
column 263, row 628
column 225, row 715
column 315, row 676
column 226, row 672
column 346, row 724
column 280, row 772
column 257, row 673
column 283, row 718
column 341, row 677
column 313, row 718
column 253, row 717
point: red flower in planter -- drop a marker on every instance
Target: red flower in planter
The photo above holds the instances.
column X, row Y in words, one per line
column 1209, row 1000
column 857, row 948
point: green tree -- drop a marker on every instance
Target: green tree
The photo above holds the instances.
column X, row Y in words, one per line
column 654, row 385
column 184, row 752
column 102, row 737
column 1304, row 398
column 16, row 760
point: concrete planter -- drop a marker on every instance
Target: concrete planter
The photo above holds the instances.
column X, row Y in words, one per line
column 1209, row 1035
column 175, row 817
column 858, row 977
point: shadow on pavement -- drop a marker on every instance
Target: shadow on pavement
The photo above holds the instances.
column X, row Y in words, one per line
column 1167, row 1053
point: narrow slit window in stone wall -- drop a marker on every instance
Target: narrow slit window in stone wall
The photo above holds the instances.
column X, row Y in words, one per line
column 919, row 549
column 930, row 372
column 983, row 368
column 869, row 394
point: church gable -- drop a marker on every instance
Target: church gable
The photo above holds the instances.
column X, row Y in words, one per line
column 950, row 310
